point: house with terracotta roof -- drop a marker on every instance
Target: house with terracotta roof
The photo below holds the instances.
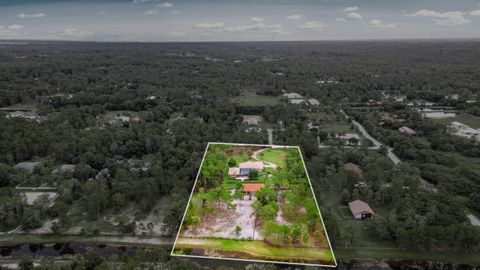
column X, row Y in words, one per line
column 360, row 209
column 352, row 167
column 250, row 189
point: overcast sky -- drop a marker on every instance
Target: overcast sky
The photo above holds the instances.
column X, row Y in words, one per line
column 242, row 20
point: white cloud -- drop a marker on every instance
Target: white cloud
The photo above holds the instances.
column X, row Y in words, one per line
column 165, row 5
column 15, row 27
column 475, row 12
column 73, row 33
column 354, row 16
column 215, row 25
column 256, row 27
column 293, row 17
column 351, row 9
column 448, row 18
column 102, row 13
column 33, row 15
column 340, row 19
column 312, row 25
column 151, row 12
column 379, row 24
column 257, row 19
column 174, row 12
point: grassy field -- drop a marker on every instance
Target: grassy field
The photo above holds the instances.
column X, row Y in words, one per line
column 276, row 156
column 257, row 101
column 462, row 118
column 257, row 249
column 332, row 200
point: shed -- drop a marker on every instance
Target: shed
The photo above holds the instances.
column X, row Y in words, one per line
column 352, row 167
column 360, row 209
column 407, row 130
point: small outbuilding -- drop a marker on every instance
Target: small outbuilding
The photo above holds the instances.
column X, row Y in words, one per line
column 352, row 167
column 250, row 189
column 360, row 209
column 407, row 130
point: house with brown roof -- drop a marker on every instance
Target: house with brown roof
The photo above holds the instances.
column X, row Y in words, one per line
column 352, row 167
column 407, row 130
column 360, row 209
column 243, row 170
column 252, row 165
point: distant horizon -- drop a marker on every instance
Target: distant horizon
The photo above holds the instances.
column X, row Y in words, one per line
column 472, row 39
column 237, row 21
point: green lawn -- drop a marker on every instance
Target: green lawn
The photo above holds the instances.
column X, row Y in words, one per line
column 240, row 158
column 276, row 156
column 257, row 101
column 462, row 118
column 332, row 200
column 257, row 249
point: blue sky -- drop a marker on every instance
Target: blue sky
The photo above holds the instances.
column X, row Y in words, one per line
column 246, row 20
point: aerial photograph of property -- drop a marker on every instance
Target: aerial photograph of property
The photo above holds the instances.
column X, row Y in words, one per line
column 256, row 203
column 239, row 134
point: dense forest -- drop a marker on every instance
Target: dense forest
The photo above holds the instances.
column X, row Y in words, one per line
column 134, row 119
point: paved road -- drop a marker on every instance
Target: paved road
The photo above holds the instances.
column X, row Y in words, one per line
column 365, row 134
column 376, row 143
column 270, row 136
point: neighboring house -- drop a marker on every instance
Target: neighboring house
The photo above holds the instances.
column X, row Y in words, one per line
column 465, row 131
column 28, row 115
column 436, row 114
column 252, row 119
column 65, row 168
column 407, row 130
column 312, row 126
column 250, row 189
column 360, row 209
column 297, row 101
column 292, row 95
column 352, row 167
column 391, row 118
column 28, row 166
column 313, row 102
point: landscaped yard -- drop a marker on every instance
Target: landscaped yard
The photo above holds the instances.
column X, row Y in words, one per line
column 276, row 156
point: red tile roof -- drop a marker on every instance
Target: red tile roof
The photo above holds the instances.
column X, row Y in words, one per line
column 252, row 187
